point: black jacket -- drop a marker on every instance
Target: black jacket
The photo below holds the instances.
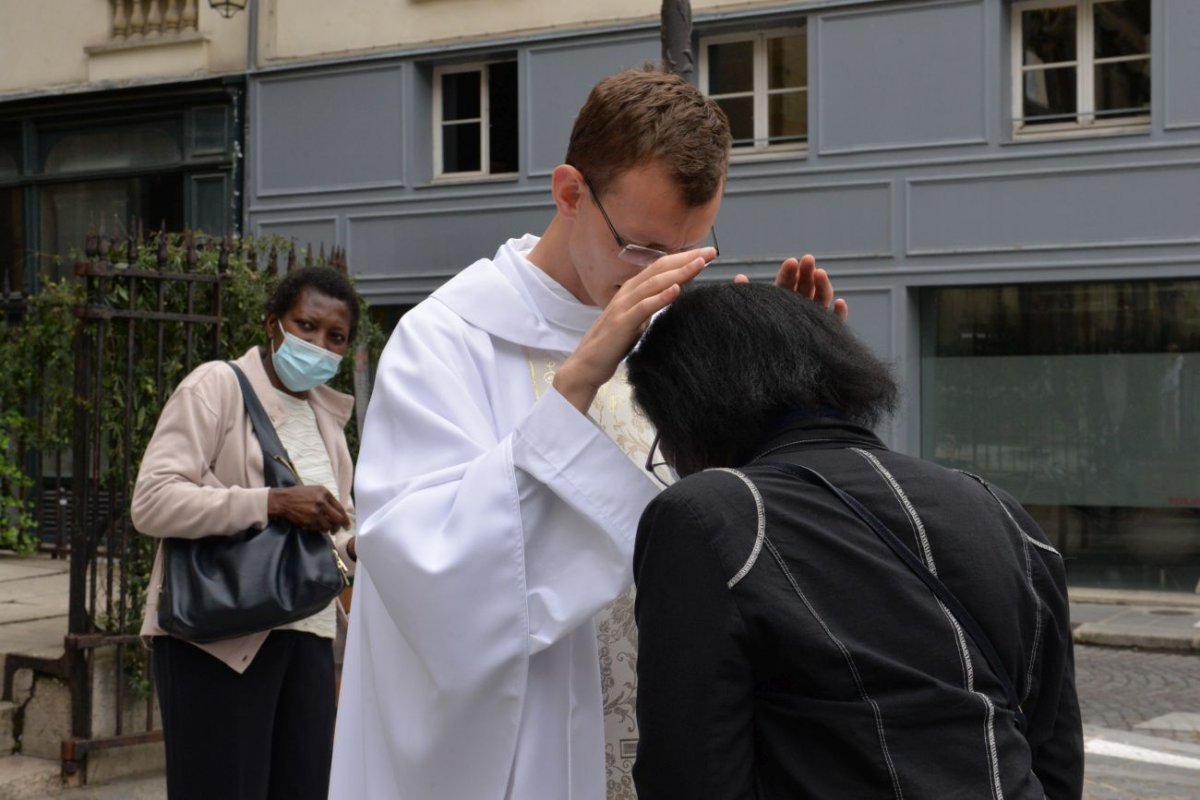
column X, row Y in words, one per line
column 827, row 669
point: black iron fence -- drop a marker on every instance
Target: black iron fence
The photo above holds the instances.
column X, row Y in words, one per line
column 118, row 347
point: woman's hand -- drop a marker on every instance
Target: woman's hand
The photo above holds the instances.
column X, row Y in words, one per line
column 313, row 508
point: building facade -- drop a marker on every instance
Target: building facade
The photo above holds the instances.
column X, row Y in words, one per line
column 1006, row 191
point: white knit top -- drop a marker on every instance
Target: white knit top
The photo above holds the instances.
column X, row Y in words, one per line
column 302, row 439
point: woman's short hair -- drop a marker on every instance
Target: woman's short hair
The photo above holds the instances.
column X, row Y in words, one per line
column 648, row 116
column 326, row 280
column 725, row 363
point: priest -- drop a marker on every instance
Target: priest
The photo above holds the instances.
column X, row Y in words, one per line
column 501, row 477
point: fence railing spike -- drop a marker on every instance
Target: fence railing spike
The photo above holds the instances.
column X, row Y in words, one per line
column 190, row 251
column 160, row 260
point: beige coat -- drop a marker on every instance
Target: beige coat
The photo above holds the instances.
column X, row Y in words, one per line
column 202, row 473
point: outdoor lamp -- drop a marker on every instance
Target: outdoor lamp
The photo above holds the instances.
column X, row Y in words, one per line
column 227, row 8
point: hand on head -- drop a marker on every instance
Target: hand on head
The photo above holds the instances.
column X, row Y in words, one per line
column 623, row 320
column 805, row 278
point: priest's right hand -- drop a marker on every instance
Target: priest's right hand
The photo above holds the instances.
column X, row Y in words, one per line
column 623, row 320
column 313, row 508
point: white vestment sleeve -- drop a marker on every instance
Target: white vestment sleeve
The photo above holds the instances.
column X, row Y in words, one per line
column 470, row 588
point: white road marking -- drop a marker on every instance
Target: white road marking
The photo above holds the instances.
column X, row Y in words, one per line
column 1103, row 747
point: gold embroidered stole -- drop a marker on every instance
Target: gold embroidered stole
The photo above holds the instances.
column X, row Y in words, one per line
column 614, row 413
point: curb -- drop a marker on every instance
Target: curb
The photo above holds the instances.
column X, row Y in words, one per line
column 1152, row 626
column 1132, row 597
column 1105, row 636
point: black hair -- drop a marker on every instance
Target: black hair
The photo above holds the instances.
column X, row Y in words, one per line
column 328, row 281
column 719, row 368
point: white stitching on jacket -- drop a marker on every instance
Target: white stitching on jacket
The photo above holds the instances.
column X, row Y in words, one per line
column 762, row 527
column 759, row 541
column 989, row 729
column 1025, row 537
column 862, row 690
column 913, row 517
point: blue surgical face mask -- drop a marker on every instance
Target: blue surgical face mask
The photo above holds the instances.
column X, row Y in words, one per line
column 302, row 365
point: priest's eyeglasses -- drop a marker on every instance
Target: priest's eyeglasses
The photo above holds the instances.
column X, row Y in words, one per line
column 636, row 254
column 657, row 466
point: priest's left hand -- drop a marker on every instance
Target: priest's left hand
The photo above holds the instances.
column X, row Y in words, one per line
column 804, row 277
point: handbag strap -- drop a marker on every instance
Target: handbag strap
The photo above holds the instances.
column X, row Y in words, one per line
column 278, row 471
column 923, row 572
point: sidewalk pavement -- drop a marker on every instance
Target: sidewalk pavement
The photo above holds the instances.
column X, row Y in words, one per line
column 34, row 595
column 1147, row 620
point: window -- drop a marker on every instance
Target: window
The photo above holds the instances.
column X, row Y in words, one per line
column 123, row 147
column 12, row 223
column 10, row 156
column 67, row 211
column 1083, row 401
column 475, row 119
column 158, row 157
column 12, row 242
column 210, row 130
column 1080, row 65
column 761, row 82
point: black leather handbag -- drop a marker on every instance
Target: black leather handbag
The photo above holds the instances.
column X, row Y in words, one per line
column 218, row 587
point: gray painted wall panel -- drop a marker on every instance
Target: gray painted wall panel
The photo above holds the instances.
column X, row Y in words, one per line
column 557, row 84
column 902, row 78
column 872, row 319
column 835, row 220
column 343, row 130
column 418, row 243
column 313, row 230
column 1182, row 63
column 1062, row 209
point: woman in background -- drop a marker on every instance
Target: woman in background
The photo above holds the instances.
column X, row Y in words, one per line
column 785, row 650
column 251, row 717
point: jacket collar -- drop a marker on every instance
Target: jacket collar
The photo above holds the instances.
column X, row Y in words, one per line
column 814, row 432
column 334, row 403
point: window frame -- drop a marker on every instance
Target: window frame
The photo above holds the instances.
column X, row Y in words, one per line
column 484, row 121
column 1086, row 122
column 761, row 91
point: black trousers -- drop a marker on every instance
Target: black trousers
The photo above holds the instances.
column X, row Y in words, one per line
column 266, row 734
